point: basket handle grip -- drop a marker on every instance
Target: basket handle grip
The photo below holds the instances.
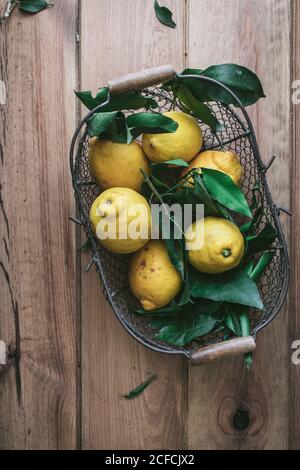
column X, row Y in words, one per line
column 232, row 347
column 143, row 79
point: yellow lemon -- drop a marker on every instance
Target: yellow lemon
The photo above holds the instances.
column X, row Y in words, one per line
column 121, row 220
column 184, row 143
column 152, row 277
column 222, row 246
column 226, row 162
column 117, row 165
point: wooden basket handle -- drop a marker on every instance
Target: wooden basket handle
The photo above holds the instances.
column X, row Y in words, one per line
column 143, row 79
column 232, row 347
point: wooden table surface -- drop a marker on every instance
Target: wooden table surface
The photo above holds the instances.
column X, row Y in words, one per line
column 70, row 358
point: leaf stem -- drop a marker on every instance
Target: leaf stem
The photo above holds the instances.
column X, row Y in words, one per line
column 159, row 197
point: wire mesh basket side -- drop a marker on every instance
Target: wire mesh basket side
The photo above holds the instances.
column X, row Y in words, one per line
column 113, row 269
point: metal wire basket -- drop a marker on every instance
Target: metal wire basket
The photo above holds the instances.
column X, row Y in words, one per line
column 238, row 136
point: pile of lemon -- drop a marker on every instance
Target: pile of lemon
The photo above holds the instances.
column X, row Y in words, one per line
column 117, row 167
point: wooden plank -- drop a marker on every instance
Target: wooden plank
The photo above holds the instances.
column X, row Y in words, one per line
column 38, row 65
column 295, row 255
column 125, row 38
column 254, row 34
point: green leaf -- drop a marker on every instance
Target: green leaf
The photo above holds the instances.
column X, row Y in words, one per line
column 114, row 126
column 100, row 122
column 176, row 162
column 263, row 262
column 237, row 319
column 225, row 191
column 246, row 227
column 150, row 123
column 184, row 196
column 168, row 314
column 240, row 80
column 159, row 184
column 249, row 268
column 245, row 322
column 248, row 359
column 259, row 212
column 232, row 322
column 159, row 321
column 262, row 241
column 234, row 286
column 140, row 388
column 163, row 170
column 186, row 328
column 90, row 101
column 110, row 126
column 118, row 131
column 175, row 256
column 189, row 71
column 199, row 110
column 33, row 6
column 129, row 100
column 204, row 197
column 246, row 331
column 174, row 308
column 164, row 15
column 185, row 294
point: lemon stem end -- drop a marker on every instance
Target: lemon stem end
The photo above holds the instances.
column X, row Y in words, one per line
column 226, row 253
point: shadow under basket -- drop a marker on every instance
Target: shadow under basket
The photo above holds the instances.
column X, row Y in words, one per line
column 238, row 136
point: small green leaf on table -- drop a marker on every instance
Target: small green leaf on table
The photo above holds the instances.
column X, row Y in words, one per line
column 33, row 6
column 225, row 191
column 164, row 15
column 140, row 388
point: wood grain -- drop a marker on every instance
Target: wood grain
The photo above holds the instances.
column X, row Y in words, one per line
column 255, row 34
column 47, row 299
column 125, row 38
column 37, row 320
column 295, row 252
